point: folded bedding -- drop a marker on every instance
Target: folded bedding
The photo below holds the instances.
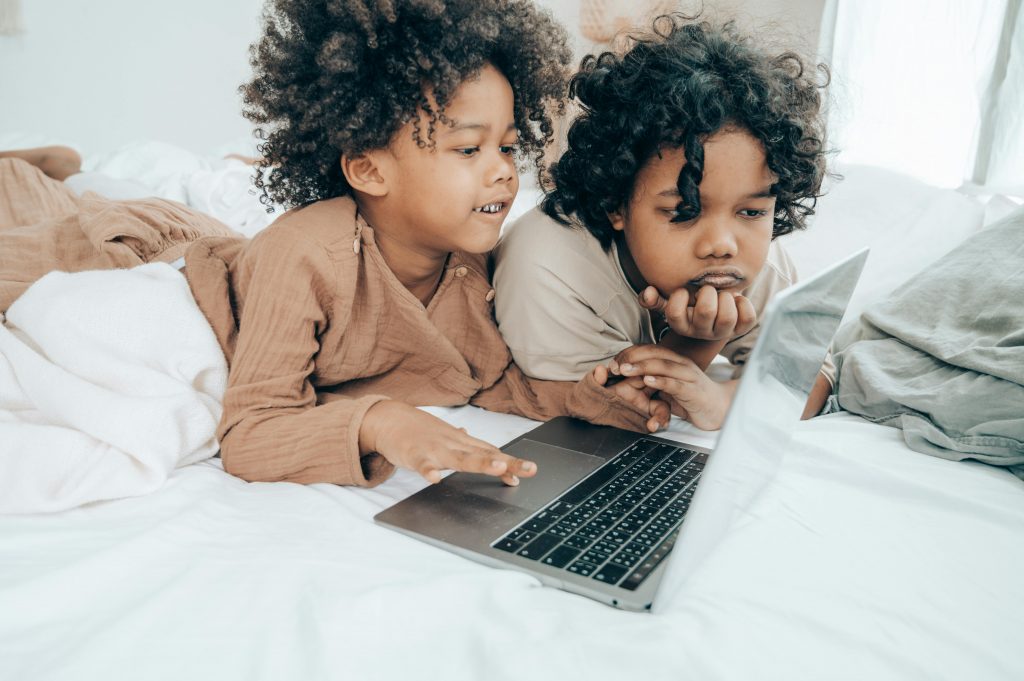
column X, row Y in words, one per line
column 942, row 357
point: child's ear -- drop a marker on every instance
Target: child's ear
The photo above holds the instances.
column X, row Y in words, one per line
column 365, row 174
column 618, row 222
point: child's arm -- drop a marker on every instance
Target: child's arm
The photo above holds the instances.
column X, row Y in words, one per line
column 275, row 425
column 621, row 405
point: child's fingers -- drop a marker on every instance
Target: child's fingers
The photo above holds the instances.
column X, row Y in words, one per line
column 651, row 300
column 746, row 316
column 705, row 310
column 660, row 412
column 666, row 368
column 678, row 312
column 681, row 391
column 486, row 454
column 638, row 353
column 429, row 471
column 677, row 367
column 725, row 322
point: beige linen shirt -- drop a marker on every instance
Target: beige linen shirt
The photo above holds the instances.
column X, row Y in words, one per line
column 564, row 304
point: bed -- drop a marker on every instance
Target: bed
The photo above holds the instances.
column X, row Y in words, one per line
column 861, row 560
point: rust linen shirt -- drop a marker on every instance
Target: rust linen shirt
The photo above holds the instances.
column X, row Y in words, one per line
column 317, row 331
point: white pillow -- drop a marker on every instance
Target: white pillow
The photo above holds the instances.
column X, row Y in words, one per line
column 907, row 224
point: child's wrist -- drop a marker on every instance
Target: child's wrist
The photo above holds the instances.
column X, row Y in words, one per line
column 376, row 416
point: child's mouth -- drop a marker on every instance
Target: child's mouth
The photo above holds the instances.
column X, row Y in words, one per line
column 491, row 208
column 718, row 280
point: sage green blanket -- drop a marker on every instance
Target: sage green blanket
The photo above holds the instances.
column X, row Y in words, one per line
column 943, row 356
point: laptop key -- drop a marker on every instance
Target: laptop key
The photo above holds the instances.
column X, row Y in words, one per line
column 634, row 548
column 538, row 524
column 561, row 556
column 582, row 568
column 558, row 509
column 508, row 545
column 626, row 560
column 536, row 549
column 610, row 573
column 578, row 541
column 590, row 485
column 561, row 530
column 645, row 568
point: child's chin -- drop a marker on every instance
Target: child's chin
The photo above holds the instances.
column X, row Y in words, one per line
column 483, row 243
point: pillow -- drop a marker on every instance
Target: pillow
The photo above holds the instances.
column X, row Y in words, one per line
column 907, row 224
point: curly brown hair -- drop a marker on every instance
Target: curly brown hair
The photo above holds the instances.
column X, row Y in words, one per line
column 334, row 77
column 675, row 87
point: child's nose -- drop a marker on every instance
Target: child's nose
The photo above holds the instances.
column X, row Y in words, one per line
column 501, row 170
column 717, row 239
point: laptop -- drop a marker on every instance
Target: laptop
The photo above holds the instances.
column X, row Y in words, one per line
column 612, row 514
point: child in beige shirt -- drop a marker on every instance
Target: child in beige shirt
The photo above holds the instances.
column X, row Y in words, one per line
column 654, row 249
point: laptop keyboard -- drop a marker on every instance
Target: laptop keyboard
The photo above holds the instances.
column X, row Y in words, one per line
column 618, row 523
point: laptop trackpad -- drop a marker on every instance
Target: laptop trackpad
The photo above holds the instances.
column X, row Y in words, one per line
column 558, row 469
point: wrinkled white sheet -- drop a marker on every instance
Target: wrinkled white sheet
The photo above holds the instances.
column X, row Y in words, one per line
column 863, row 560
column 108, row 381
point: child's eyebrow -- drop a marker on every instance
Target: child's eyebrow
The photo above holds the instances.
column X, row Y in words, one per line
column 457, row 127
column 763, row 194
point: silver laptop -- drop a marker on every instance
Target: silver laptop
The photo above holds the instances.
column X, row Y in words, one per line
column 611, row 514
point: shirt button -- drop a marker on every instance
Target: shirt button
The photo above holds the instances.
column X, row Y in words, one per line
column 490, row 296
column 460, row 271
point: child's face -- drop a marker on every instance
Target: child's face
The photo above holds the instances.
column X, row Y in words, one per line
column 455, row 196
column 726, row 245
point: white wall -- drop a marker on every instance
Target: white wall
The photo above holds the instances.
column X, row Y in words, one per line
column 794, row 23
column 105, row 73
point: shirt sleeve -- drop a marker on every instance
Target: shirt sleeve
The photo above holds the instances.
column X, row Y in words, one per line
column 552, row 331
column 274, row 427
column 541, row 400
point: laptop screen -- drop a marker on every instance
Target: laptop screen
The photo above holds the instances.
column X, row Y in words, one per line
column 796, row 329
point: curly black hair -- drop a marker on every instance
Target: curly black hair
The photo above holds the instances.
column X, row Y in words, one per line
column 334, row 77
column 675, row 88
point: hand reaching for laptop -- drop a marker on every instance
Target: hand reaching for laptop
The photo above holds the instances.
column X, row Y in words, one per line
column 411, row 438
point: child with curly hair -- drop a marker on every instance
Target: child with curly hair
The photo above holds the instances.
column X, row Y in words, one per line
column 390, row 130
column 654, row 249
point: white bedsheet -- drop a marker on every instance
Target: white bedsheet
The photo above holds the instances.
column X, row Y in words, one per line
column 863, row 560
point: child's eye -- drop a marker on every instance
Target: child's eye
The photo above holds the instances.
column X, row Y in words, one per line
column 508, row 149
column 751, row 213
column 468, row 151
column 676, row 217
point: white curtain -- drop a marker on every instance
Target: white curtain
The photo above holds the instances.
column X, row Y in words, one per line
column 930, row 88
column 10, row 17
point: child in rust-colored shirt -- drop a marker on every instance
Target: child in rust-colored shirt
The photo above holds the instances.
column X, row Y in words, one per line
column 392, row 135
